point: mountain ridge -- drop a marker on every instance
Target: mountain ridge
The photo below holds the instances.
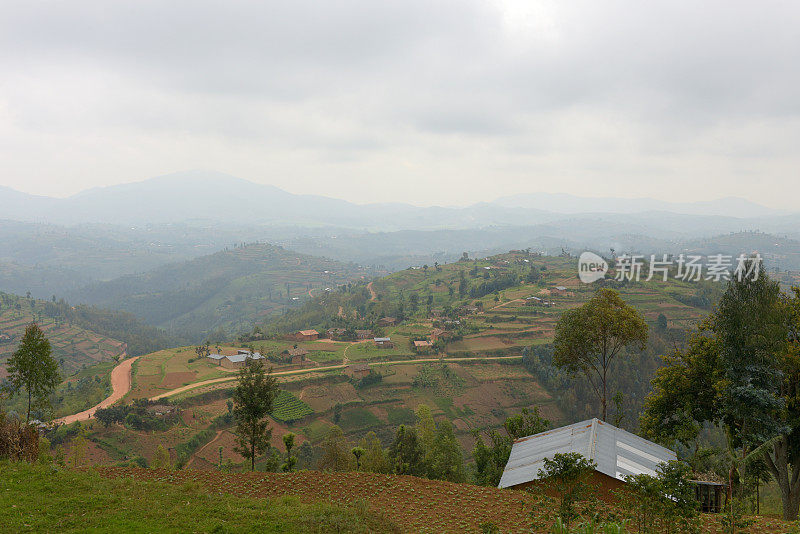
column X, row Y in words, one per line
column 223, row 198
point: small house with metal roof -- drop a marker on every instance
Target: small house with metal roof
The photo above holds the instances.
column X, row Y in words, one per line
column 615, row 452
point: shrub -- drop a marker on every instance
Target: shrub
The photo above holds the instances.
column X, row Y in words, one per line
column 666, row 501
column 18, row 441
column 568, row 475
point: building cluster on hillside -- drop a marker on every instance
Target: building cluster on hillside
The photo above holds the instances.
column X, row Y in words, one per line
column 537, row 301
column 234, row 361
column 383, row 342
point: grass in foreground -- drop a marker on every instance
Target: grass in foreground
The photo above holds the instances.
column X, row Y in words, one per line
column 41, row 499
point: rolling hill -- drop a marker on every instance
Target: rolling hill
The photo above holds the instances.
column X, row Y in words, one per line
column 81, row 336
column 231, row 289
column 74, row 347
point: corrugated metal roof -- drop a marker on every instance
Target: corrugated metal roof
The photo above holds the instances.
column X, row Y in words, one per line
column 239, row 358
column 616, row 452
column 215, row 356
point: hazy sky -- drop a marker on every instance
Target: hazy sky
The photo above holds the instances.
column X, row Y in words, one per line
column 420, row 101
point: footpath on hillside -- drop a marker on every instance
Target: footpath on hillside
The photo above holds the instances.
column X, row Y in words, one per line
column 120, row 386
column 215, row 381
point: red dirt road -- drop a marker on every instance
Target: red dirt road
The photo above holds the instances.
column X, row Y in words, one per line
column 120, row 385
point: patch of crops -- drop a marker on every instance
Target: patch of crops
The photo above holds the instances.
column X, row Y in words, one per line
column 288, row 408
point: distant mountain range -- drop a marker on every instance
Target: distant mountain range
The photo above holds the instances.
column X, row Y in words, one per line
column 221, row 198
column 565, row 203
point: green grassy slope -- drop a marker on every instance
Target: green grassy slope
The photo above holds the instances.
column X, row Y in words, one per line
column 42, row 499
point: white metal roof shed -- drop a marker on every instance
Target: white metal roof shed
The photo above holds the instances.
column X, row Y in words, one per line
column 615, row 451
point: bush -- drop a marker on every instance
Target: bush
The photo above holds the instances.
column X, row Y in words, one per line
column 18, row 441
column 568, row 475
column 665, row 501
column 369, row 380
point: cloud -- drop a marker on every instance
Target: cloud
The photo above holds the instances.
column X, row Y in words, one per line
column 422, row 101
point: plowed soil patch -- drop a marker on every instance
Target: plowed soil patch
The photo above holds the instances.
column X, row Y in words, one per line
column 414, row 504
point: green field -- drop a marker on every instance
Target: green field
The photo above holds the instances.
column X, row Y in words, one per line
column 43, row 499
column 288, row 408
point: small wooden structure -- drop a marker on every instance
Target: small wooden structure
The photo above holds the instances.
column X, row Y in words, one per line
column 383, row 342
column 307, row 335
column 710, row 492
column 387, row 321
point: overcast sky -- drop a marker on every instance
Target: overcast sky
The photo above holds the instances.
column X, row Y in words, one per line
column 419, row 101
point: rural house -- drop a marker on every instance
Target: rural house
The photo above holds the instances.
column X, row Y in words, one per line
column 306, row 335
column 335, row 333
column 422, row 345
column 616, row 452
column 363, row 334
column 383, row 342
column 387, row 321
column 439, row 333
column 297, row 356
column 234, row 361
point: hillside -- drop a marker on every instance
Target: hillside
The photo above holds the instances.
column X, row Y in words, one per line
column 36, row 498
column 474, row 394
column 74, row 346
column 231, row 289
column 505, row 305
column 44, row 499
column 491, row 359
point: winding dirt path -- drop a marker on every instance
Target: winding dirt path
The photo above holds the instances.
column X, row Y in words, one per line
column 120, row 386
column 372, row 295
column 209, row 444
column 213, row 381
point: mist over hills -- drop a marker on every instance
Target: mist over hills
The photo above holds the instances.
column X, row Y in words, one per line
column 223, row 199
column 169, row 249
column 565, row 203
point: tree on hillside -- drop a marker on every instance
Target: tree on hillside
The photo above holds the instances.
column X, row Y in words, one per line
column 445, row 460
column 569, row 476
column 291, row 461
column 252, row 400
column 590, row 337
column 407, row 453
column 33, row 368
column 357, row 453
column 335, row 452
column 741, row 371
column 490, row 461
column 374, row 459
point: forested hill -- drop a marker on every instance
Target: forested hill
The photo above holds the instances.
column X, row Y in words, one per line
column 229, row 290
column 80, row 336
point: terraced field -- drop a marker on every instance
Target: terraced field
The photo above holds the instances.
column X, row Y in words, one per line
column 511, row 318
column 74, row 347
